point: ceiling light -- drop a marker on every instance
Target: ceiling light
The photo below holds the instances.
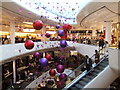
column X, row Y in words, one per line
column 28, row 30
column 28, row 23
column 51, row 32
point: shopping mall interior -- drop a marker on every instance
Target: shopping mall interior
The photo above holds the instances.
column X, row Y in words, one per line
column 59, row 44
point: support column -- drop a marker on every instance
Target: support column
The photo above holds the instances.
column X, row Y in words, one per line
column 94, row 33
column 108, row 31
column 43, row 31
column 44, row 54
column 14, row 72
column 12, row 32
column 12, row 41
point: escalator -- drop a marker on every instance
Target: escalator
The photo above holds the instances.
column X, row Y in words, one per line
column 90, row 75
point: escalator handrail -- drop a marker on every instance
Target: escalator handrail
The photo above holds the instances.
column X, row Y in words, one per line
column 81, row 66
column 102, row 59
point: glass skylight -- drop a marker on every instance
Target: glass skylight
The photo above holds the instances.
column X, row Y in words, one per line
column 63, row 11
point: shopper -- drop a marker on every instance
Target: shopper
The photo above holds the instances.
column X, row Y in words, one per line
column 106, row 46
column 119, row 45
column 88, row 63
column 97, row 57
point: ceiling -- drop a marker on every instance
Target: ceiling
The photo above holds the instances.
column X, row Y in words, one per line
column 92, row 16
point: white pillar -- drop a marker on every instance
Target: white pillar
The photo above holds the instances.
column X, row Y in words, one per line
column 14, row 72
column 94, row 33
column 12, row 32
column 108, row 31
column 43, row 31
column 43, row 54
column 12, row 41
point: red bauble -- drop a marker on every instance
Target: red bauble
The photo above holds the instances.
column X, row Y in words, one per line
column 52, row 72
column 48, row 57
column 47, row 35
column 37, row 25
column 67, row 27
column 29, row 44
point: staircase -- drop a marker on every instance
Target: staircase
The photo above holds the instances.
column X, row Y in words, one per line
column 89, row 76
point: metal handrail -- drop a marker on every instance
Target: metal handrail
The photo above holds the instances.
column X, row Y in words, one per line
column 91, row 68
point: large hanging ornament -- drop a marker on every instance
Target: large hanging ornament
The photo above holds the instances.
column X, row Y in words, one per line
column 29, row 44
column 57, row 26
column 36, row 54
column 62, row 76
column 52, row 72
column 67, row 27
column 61, row 33
column 37, row 25
column 48, row 57
column 60, row 68
column 43, row 62
column 63, row 43
column 47, row 35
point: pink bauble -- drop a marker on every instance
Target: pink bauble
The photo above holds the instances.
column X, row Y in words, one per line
column 37, row 25
column 29, row 44
column 36, row 54
column 60, row 68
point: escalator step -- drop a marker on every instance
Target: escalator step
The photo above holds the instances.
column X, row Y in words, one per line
column 86, row 79
column 104, row 65
column 98, row 71
column 82, row 83
column 90, row 77
column 100, row 67
column 78, row 86
column 73, row 88
column 94, row 74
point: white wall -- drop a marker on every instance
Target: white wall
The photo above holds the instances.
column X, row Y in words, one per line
column 84, row 49
column 114, row 60
column 12, row 50
column 104, row 79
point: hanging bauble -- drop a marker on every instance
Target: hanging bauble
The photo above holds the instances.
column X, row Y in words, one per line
column 48, row 57
column 56, row 64
column 61, row 33
column 60, row 68
column 36, row 54
column 57, row 26
column 43, row 62
column 29, row 44
column 52, row 72
column 67, row 27
column 47, row 35
column 62, row 76
column 37, row 25
column 63, row 43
